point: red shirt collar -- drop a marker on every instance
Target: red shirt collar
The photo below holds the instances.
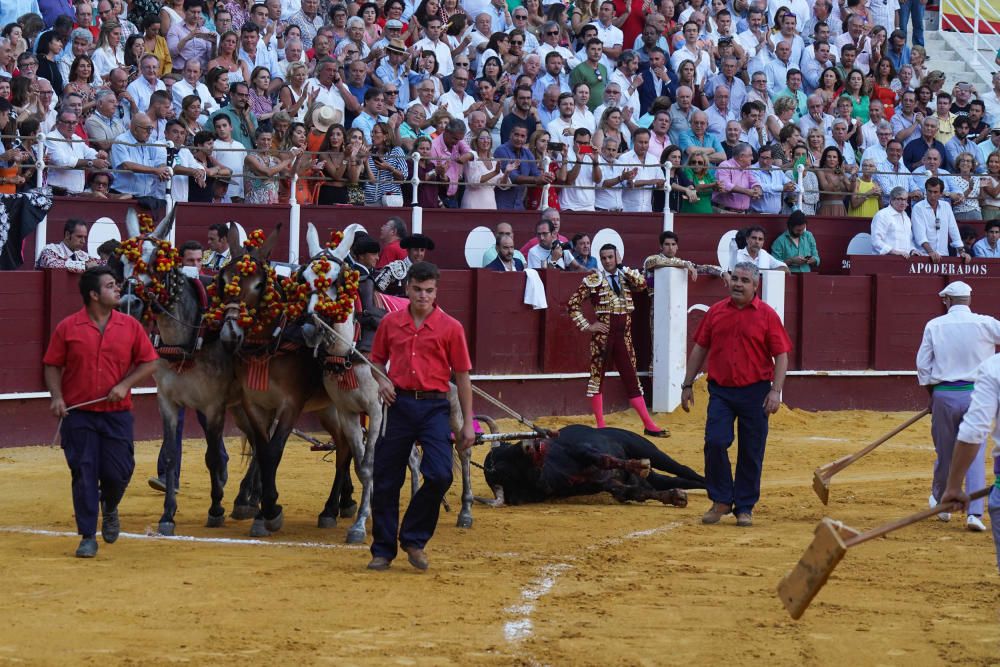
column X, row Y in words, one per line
column 82, row 318
column 428, row 321
column 754, row 303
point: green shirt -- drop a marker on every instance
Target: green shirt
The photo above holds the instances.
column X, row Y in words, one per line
column 704, row 203
column 596, row 80
column 783, row 248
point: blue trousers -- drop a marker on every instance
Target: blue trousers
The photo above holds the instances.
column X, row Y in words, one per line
column 161, row 465
column 410, row 420
column 745, row 407
column 99, row 450
column 914, row 8
column 995, row 520
column 947, row 410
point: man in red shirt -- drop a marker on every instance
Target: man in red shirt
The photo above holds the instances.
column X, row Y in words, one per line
column 97, row 353
column 422, row 347
column 390, row 236
column 747, row 349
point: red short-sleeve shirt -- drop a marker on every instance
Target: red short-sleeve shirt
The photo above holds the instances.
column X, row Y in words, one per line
column 742, row 342
column 421, row 359
column 93, row 363
column 390, row 253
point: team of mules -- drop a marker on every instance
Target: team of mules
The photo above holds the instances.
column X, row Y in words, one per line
column 265, row 349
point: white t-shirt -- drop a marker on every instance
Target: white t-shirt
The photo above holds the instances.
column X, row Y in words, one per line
column 179, row 183
column 640, row 199
column 329, row 96
column 609, row 198
column 66, row 154
column 233, row 159
column 581, row 197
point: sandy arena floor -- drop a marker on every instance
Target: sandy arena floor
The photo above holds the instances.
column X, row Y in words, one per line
column 574, row 583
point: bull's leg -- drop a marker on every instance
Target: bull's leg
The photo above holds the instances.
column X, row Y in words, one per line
column 168, row 453
column 637, row 447
column 665, row 482
column 364, row 463
column 214, row 423
column 641, row 492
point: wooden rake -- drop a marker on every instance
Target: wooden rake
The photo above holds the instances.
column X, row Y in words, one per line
column 830, row 544
column 823, row 474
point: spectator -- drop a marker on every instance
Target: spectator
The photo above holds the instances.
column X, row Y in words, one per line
column 867, row 197
column 142, row 166
column 582, row 177
column 969, row 185
column 774, row 183
column 328, row 87
column 502, row 230
column 704, row 184
column 755, row 254
column 242, row 121
column 989, row 245
column 230, row 154
column 552, row 215
column 638, row 195
column 104, row 124
column 483, row 173
column 219, row 253
column 946, row 120
column 505, row 259
column 147, row 83
column 594, row 70
column 892, row 173
column 525, row 170
column 737, row 183
column 697, row 140
column 876, row 151
column 931, row 166
column 386, row 168
column 892, row 232
column 582, row 257
column 548, row 252
column 796, row 246
column 615, row 177
column 934, row 224
column 70, row 254
column 914, row 151
column 835, row 182
column 391, row 236
column 990, row 187
column 451, row 154
column 68, row 156
column 960, row 143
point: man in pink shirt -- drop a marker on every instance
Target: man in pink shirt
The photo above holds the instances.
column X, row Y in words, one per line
column 737, row 184
column 449, row 153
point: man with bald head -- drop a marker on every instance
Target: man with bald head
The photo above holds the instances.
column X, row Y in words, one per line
column 718, row 113
column 914, row 152
column 503, row 231
column 698, row 141
column 680, row 112
column 816, row 117
column 777, row 68
column 143, row 166
column 190, row 84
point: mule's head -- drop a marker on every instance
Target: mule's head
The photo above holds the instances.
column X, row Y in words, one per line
column 245, row 286
column 146, row 262
column 332, row 291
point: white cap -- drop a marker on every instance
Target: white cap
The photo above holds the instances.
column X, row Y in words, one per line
column 957, row 288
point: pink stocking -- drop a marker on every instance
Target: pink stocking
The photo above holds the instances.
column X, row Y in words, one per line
column 597, row 405
column 639, row 405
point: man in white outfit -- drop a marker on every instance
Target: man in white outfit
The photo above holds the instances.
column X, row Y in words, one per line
column 892, row 233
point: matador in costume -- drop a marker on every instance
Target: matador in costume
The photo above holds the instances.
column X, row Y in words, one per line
column 610, row 295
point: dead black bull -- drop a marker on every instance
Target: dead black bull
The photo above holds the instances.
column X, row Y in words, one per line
column 583, row 461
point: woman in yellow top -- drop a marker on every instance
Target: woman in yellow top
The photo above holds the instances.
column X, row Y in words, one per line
column 155, row 43
column 867, row 198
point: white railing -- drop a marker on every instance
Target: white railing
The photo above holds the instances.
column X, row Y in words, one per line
column 978, row 34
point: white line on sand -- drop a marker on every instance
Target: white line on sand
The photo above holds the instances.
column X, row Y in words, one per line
column 188, row 538
column 521, row 627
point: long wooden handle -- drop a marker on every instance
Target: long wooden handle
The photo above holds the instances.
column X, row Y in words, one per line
column 848, row 460
column 506, row 408
column 913, row 518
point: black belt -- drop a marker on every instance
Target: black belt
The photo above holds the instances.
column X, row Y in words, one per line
column 732, row 210
column 420, row 395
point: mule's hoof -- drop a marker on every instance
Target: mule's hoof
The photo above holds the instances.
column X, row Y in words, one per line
column 348, row 511
column 243, row 512
column 166, row 528
column 355, row 536
column 326, row 522
column 259, row 529
column 464, row 521
column 214, row 521
column 275, row 524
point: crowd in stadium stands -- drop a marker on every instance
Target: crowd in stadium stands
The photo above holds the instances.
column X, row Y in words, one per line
column 699, row 106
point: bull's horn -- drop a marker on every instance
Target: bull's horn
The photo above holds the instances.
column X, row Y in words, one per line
column 498, row 501
column 312, row 240
column 132, row 224
column 162, row 230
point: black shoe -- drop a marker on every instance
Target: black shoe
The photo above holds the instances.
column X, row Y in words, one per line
column 417, row 558
column 110, row 526
column 379, row 564
column 87, row 548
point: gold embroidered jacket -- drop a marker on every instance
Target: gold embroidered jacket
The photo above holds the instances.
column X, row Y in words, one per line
column 597, row 289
